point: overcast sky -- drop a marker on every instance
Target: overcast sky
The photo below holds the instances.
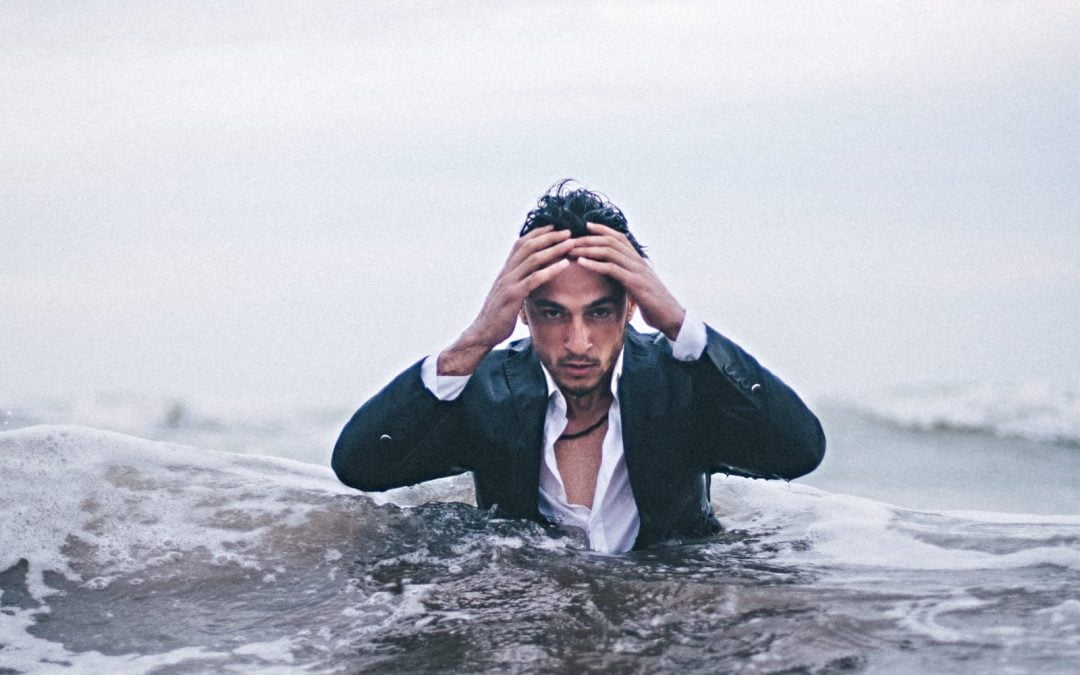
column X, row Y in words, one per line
column 297, row 200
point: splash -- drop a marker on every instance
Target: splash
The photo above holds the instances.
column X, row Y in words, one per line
column 125, row 554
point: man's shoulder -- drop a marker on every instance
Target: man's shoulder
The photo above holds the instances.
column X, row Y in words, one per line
column 517, row 353
column 647, row 348
column 512, row 350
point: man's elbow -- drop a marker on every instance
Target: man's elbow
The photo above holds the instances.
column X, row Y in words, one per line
column 807, row 451
column 343, row 465
column 354, row 467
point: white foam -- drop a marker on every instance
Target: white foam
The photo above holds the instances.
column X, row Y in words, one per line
column 69, row 489
column 1067, row 614
column 22, row 652
column 855, row 531
column 75, row 488
column 923, row 616
column 277, row 651
column 25, row 653
column 96, row 506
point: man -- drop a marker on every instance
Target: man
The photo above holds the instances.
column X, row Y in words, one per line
column 588, row 423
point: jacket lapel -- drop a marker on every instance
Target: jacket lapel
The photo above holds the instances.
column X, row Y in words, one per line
column 528, row 389
column 639, row 363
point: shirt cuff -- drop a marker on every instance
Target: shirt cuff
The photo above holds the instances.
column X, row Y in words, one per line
column 445, row 387
column 691, row 342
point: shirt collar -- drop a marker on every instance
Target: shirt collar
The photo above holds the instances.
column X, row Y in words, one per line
column 616, row 373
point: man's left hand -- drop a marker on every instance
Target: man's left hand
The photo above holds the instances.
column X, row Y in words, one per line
column 609, row 252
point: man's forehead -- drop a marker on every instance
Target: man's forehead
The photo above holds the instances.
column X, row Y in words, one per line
column 578, row 286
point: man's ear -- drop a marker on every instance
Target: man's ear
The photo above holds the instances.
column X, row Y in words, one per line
column 524, row 317
column 630, row 307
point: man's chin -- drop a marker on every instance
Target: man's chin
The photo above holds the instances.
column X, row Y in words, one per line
column 578, row 385
column 578, row 389
column 578, row 392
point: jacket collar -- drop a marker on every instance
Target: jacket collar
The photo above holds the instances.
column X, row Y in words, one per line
column 525, row 380
column 635, row 385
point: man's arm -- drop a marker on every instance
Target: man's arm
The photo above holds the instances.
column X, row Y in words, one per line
column 609, row 252
column 755, row 424
column 534, row 260
column 402, row 436
column 406, row 434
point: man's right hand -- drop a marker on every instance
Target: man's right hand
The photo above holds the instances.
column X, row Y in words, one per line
column 534, row 260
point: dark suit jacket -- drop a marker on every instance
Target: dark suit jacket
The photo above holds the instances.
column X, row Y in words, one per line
column 682, row 422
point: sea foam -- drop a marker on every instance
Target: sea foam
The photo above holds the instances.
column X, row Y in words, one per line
column 127, row 503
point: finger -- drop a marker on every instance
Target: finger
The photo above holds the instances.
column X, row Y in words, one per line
column 529, row 244
column 543, row 275
column 617, row 272
column 631, row 261
column 617, row 240
column 605, row 235
column 532, row 234
column 539, row 259
column 529, row 236
column 598, row 229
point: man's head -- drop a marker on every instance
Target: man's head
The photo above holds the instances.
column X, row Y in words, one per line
column 578, row 319
column 567, row 209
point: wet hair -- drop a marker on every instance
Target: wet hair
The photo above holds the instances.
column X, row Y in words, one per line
column 570, row 209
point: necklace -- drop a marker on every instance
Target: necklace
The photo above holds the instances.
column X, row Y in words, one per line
column 583, row 432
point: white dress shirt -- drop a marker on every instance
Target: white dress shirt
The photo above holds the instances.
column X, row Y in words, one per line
column 612, row 523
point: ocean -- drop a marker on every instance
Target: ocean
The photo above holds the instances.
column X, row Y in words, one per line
column 182, row 534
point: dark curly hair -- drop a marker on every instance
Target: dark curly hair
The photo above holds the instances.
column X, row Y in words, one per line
column 570, row 209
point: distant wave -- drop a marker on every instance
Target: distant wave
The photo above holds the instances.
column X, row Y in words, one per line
column 1033, row 411
column 257, row 425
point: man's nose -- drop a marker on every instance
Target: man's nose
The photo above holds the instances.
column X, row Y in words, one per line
column 578, row 340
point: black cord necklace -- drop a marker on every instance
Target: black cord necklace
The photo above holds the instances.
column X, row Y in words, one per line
column 583, row 432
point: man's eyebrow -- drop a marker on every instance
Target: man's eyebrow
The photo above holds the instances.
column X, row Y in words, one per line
column 606, row 300
column 541, row 302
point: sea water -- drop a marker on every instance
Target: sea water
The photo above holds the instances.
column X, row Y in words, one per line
column 142, row 534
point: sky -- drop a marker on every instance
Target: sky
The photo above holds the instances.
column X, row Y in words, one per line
column 295, row 201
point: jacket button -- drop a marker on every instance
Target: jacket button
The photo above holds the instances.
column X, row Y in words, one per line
column 385, row 437
column 755, row 388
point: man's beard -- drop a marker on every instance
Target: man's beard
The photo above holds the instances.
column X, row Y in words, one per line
column 579, row 390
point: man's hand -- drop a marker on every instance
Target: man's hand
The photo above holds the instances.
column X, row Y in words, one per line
column 535, row 258
column 609, row 252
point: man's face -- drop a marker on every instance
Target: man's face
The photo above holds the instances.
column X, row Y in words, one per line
column 577, row 322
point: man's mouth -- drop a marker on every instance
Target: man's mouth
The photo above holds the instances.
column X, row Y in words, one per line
column 578, row 367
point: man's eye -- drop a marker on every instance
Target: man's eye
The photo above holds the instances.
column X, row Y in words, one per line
column 551, row 314
column 601, row 312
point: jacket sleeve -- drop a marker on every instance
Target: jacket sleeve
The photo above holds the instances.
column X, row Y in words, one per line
column 754, row 424
column 402, row 436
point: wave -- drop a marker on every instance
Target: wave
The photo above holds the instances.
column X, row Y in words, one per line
column 255, row 425
column 1038, row 412
column 123, row 553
